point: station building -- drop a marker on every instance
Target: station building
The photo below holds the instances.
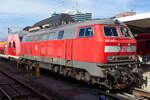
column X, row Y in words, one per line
column 57, row 19
column 138, row 23
column 77, row 15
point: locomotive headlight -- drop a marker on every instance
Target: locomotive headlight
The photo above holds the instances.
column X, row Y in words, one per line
column 111, row 58
column 132, row 57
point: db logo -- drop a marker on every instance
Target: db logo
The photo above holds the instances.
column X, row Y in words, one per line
column 123, row 49
column 36, row 47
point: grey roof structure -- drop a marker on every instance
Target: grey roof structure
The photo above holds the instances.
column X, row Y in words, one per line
column 55, row 19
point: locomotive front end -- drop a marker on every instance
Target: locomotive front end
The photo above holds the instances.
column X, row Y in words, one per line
column 121, row 61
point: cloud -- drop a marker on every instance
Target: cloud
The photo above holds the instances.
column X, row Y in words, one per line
column 104, row 8
column 20, row 13
column 22, row 6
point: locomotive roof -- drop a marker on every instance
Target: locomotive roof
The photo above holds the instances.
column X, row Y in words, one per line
column 77, row 24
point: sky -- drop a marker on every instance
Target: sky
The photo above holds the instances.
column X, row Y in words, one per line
column 17, row 14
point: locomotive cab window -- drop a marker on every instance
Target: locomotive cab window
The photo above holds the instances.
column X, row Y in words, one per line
column 14, row 44
column 81, row 32
column 60, row 35
column 125, row 32
column 45, row 37
column 33, row 38
column 9, row 44
column 26, row 39
column 86, row 32
column 111, row 31
column 20, row 38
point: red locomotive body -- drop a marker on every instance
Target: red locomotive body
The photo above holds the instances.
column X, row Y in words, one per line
column 3, row 48
column 143, row 46
column 97, row 51
column 14, row 46
column 11, row 49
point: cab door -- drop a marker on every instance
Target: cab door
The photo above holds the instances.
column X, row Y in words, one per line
column 68, row 52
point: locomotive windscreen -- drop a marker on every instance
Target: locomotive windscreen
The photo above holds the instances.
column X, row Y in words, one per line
column 111, row 31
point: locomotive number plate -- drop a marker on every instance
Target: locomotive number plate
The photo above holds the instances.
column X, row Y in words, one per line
column 123, row 49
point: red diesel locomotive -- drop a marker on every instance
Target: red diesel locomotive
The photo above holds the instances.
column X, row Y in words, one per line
column 100, row 51
column 11, row 47
column 3, row 46
column 96, row 51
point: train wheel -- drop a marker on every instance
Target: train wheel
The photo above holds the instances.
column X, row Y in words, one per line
column 65, row 72
column 79, row 76
column 93, row 80
column 87, row 77
column 69, row 72
column 56, row 68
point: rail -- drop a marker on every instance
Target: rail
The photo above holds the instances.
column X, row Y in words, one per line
column 4, row 92
column 43, row 96
column 112, row 96
column 142, row 93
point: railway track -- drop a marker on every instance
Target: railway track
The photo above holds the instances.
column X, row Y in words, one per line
column 136, row 94
column 14, row 89
column 100, row 95
column 141, row 93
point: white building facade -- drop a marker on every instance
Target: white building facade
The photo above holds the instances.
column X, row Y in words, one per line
column 77, row 15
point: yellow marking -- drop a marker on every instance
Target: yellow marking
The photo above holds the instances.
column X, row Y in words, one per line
column 3, row 42
column 37, row 70
column 121, row 85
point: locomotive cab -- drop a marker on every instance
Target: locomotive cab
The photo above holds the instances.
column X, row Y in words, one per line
column 120, row 58
column 120, row 45
column 14, row 48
